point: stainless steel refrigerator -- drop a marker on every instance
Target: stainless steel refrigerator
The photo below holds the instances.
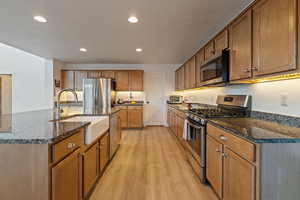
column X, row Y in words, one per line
column 99, row 95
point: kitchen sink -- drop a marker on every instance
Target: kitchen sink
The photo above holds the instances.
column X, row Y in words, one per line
column 99, row 125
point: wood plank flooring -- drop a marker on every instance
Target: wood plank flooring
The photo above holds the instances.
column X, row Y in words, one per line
column 150, row 166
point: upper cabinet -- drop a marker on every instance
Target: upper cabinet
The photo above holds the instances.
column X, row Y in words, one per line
column 274, row 36
column 209, row 50
column 192, row 76
column 108, row 74
column 136, row 80
column 180, row 79
column 122, row 79
column 67, row 79
column 199, row 60
column 241, row 47
column 221, row 42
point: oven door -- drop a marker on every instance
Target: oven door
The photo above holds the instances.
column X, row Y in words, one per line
column 196, row 141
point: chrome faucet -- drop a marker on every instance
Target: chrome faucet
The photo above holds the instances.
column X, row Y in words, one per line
column 58, row 108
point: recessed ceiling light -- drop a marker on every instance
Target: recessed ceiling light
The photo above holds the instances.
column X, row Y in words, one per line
column 40, row 19
column 139, row 50
column 133, row 19
column 83, row 49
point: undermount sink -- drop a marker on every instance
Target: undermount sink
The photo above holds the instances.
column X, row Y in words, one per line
column 99, row 125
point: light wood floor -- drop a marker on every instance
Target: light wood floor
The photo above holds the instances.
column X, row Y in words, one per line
column 150, row 166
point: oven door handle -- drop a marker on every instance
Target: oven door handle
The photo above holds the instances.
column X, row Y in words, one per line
column 194, row 126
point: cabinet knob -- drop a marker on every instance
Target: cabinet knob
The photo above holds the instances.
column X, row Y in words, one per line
column 222, row 137
column 71, row 145
column 218, row 150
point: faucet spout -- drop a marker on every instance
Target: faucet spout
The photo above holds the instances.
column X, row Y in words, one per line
column 59, row 111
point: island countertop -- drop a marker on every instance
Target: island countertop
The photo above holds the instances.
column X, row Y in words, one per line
column 39, row 127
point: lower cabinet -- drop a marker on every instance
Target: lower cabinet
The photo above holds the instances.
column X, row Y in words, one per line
column 90, row 168
column 131, row 116
column 66, row 178
column 237, row 176
column 104, row 151
column 123, row 114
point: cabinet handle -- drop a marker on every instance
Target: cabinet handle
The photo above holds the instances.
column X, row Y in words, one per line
column 225, row 155
column 247, row 70
column 71, row 145
column 218, row 150
column 254, row 68
column 222, row 137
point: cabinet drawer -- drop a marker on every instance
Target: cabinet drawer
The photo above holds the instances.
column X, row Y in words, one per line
column 68, row 145
column 135, row 107
column 236, row 144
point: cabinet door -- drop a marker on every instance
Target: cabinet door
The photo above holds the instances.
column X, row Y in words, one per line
column 104, row 152
column 199, row 63
column 135, row 118
column 180, row 126
column 221, row 42
column 209, row 50
column 79, row 76
column 186, row 75
column 136, row 80
column 274, row 36
column 94, row 74
column 214, row 164
column 122, row 79
column 67, row 79
column 182, row 78
column 123, row 114
column 241, row 47
column 108, row 74
column 192, row 71
column 66, row 178
column 239, row 177
column 90, row 168
column 177, row 79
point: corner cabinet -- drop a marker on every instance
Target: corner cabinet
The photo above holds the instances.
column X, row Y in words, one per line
column 274, row 36
column 240, row 44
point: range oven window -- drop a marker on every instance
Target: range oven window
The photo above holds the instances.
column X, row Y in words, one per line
column 212, row 70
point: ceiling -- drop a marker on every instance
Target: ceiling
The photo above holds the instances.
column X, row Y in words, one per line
column 169, row 31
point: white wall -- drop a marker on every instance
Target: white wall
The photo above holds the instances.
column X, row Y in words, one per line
column 31, row 79
column 266, row 97
column 158, row 84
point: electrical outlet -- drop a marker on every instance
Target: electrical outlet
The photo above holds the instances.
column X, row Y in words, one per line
column 284, row 100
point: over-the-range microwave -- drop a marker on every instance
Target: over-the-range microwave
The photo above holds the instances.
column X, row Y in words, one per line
column 216, row 70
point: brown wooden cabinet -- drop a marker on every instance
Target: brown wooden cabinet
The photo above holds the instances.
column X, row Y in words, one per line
column 209, row 50
column 108, row 74
column 67, row 79
column 90, row 168
column 136, row 80
column 104, row 151
column 236, row 155
column 241, row 47
column 214, row 164
column 221, row 42
column 79, row 76
column 123, row 113
column 180, row 79
column 66, row 180
column 199, row 62
column 135, row 116
column 239, row 176
column 274, row 36
column 122, row 79
column 192, row 71
column 93, row 74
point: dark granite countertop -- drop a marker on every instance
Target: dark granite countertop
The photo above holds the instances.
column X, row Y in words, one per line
column 259, row 131
column 39, row 127
column 129, row 104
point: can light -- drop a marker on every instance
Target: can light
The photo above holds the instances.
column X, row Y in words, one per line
column 83, row 49
column 139, row 50
column 133, row 19
column 40, row 19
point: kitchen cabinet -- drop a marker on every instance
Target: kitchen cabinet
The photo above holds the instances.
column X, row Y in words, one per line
column 214, row 164
column 115, row 133
column 192, row 71
column 180, row 78
column 186, row 75
column 93, row 74
column 240, row 32
column 90, row 168
column 209, row 50
column 104, row 151
column 135, row 116
column 221, row 42
column 123, row 113
column 67, row 79
column 66, row 180
column 122, row 79
column 108, row 74
column 177, row 80
column 199, row 60
column 79, row 76
column 235, row 169
column 237, row 156
column 136, row 80
column 274, row 36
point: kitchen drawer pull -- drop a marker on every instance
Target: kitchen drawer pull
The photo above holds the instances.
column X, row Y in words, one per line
column 71, row 145
column 222, row 137
column 218, row 150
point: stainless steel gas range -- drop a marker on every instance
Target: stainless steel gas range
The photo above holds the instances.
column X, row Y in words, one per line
column 227, row 106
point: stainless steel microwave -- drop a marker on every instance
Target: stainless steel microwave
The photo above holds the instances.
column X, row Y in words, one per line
column 175, row 99
column 216, row 70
